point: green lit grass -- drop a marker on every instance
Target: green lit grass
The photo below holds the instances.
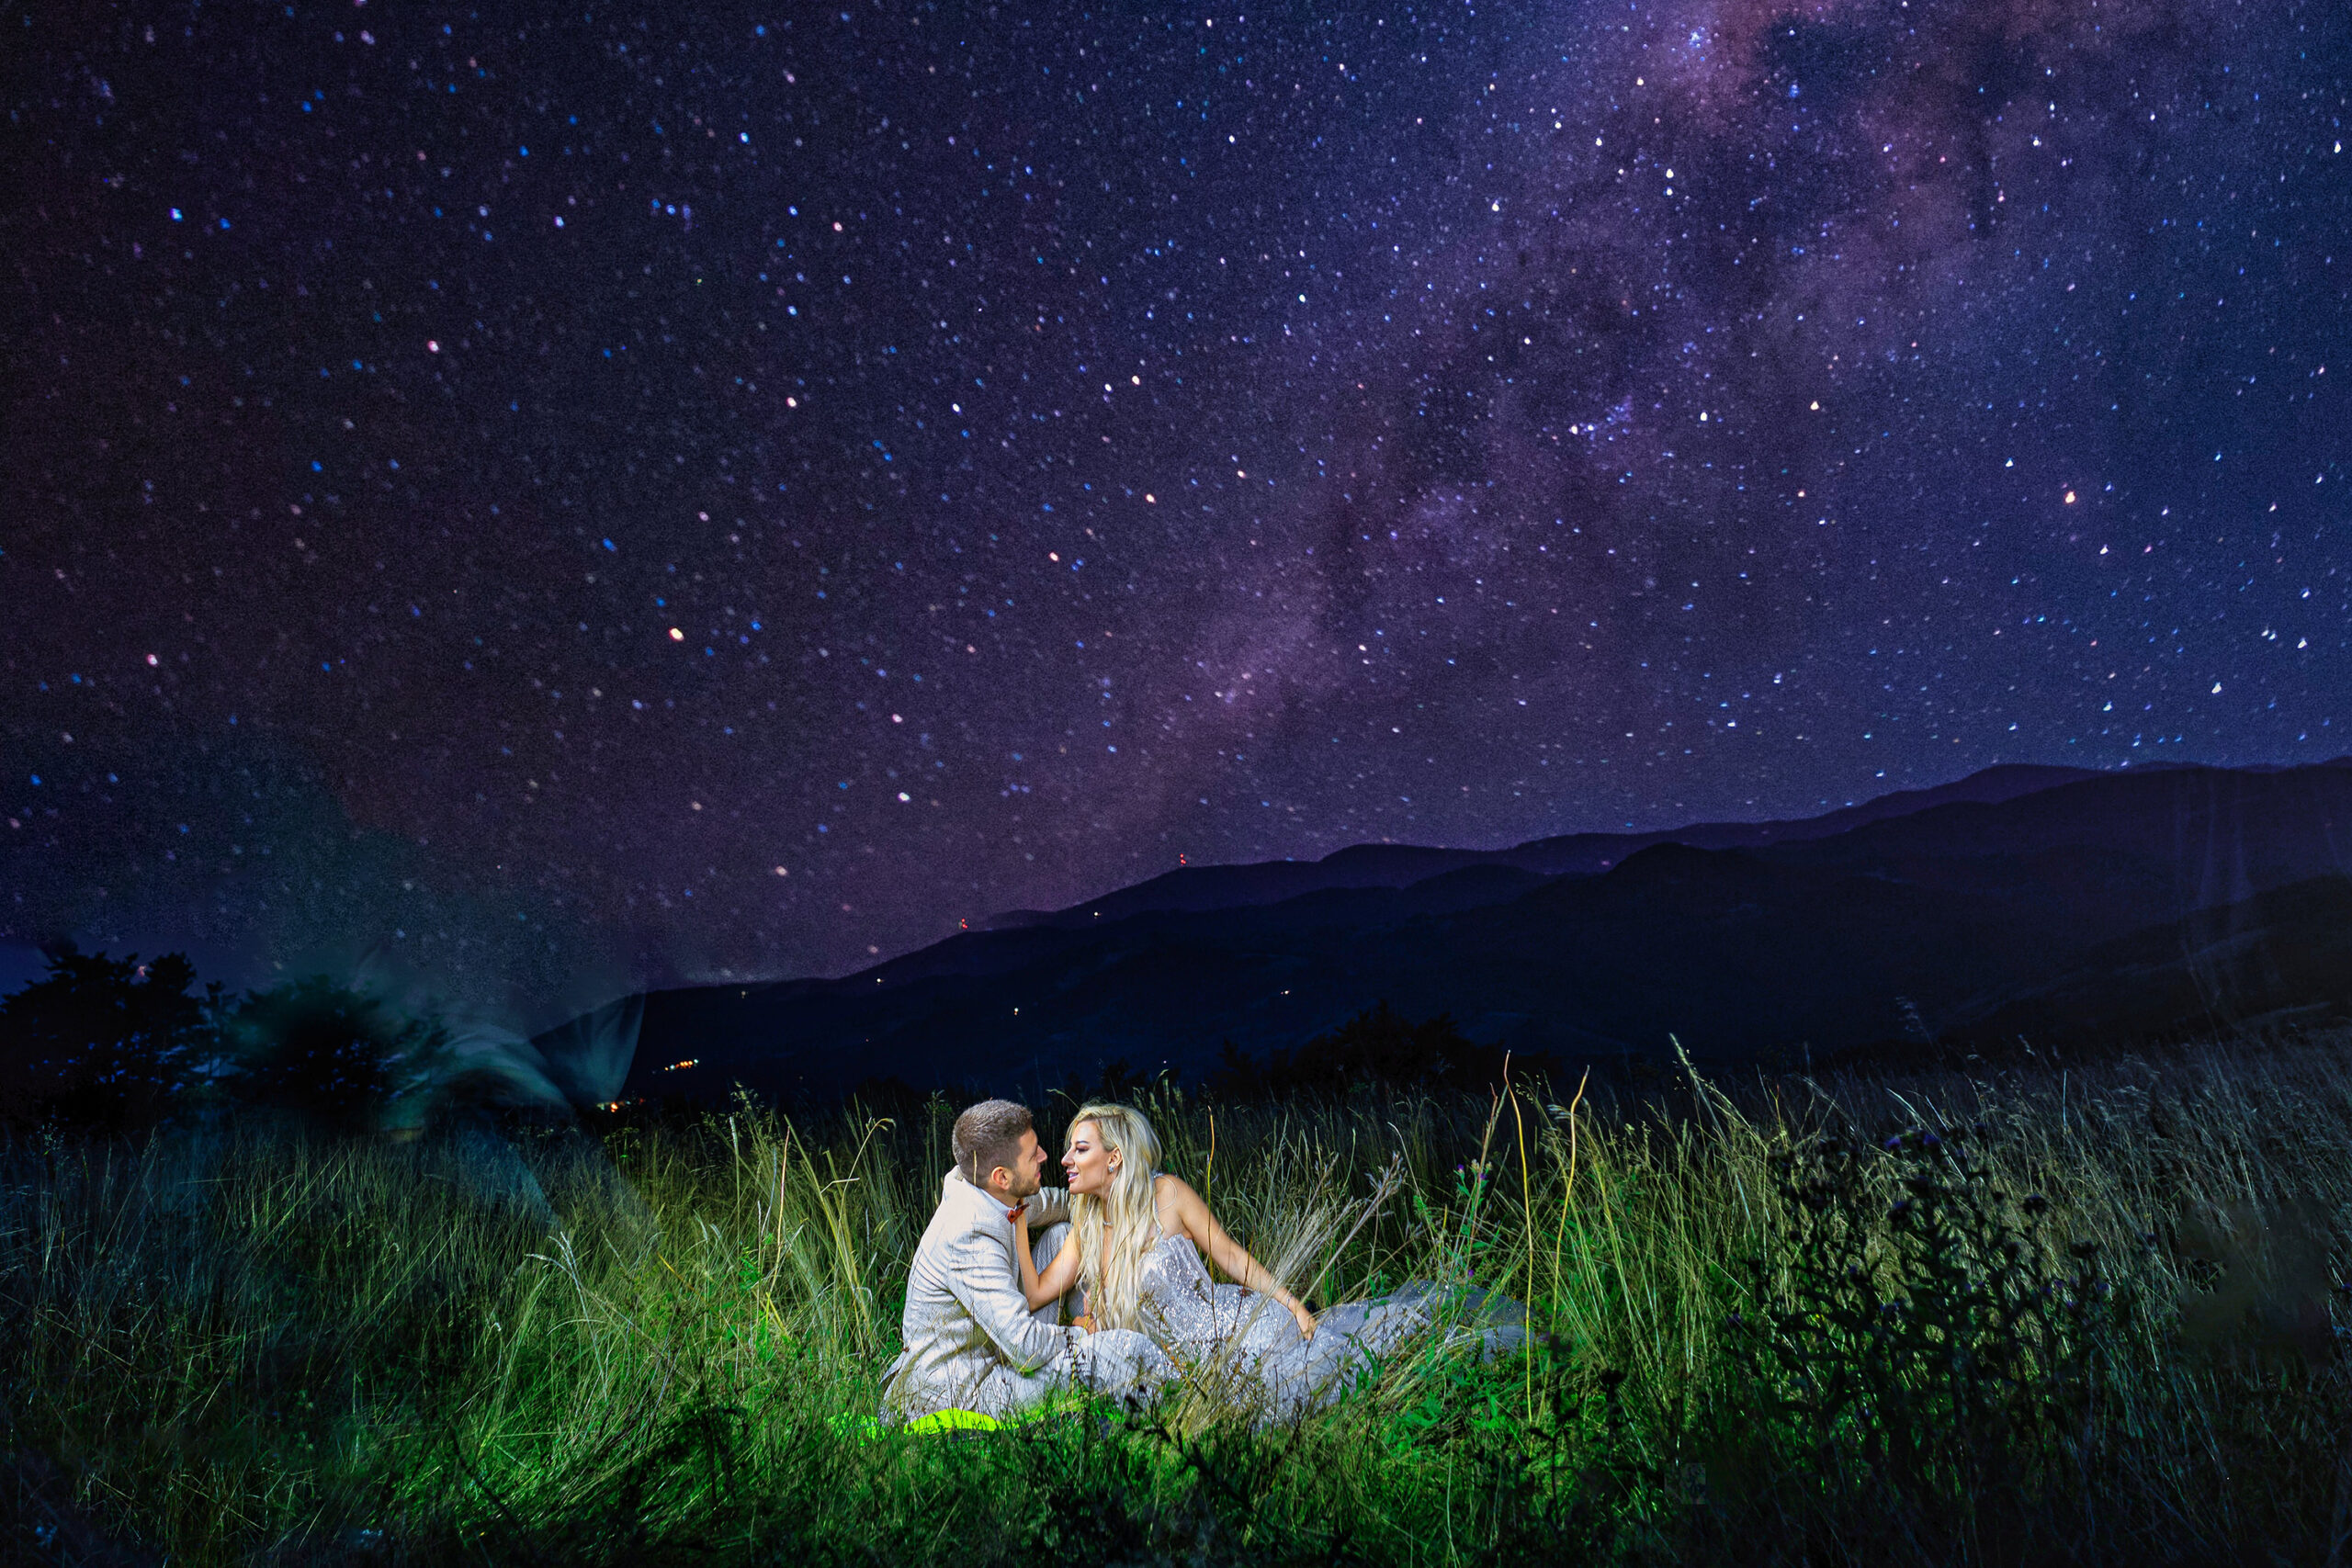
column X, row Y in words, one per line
column 255, row 1344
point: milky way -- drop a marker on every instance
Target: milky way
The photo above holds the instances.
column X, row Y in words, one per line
column 558, row 502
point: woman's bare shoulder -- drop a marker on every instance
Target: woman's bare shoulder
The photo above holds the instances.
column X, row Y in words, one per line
column 1175, row 1202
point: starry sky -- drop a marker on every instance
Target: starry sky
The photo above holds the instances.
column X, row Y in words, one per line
column 559, row 501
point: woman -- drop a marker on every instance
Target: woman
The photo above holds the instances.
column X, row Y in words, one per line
column 1137, row 1240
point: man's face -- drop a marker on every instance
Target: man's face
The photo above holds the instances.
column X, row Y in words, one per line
column 1021, row 1179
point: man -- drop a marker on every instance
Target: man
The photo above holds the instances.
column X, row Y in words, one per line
column 972, row 1342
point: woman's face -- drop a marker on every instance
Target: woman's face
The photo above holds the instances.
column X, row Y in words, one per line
column 1088, row 1165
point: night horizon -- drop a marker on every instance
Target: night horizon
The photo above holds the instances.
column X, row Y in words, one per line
column 606, row 502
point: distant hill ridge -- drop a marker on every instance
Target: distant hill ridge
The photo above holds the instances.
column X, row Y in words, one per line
column 1402, row 866
column 1929, row 919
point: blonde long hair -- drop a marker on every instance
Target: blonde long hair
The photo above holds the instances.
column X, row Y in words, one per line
column 1110, row 1256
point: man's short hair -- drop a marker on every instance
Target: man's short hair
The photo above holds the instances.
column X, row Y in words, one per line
column 988, row 1135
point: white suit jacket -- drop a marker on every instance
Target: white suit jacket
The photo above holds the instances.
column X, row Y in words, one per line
column 971, row 1341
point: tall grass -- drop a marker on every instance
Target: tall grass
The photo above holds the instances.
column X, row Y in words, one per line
column 2076, row 1316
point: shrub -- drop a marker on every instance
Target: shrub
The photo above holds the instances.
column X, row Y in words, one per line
column 1916, row 1347
column 334, row 1055
column 108, row 1044
column 1378, row 1047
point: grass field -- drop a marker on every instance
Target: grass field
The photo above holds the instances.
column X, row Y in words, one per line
column 2072, row 1316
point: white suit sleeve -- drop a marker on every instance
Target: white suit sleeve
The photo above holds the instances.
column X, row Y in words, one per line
column 981, row 1277
column 1050, row 1206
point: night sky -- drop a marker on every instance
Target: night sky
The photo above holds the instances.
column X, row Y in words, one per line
column 556, row 501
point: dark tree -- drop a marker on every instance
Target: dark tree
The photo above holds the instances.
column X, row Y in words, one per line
column 1238, row 1074
column 108, row 1044
column 333, row 1054
column 887, row 1094
column 1379, row 1046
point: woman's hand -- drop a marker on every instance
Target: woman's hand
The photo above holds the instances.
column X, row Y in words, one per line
column 1061, row 1274
column 1306, row 1320
column 1025, row 1264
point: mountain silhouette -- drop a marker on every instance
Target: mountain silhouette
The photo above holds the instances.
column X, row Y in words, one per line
column 1403, row 866
column 2067, row 906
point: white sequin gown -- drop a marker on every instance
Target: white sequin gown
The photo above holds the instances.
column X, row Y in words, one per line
column 1246, row 1349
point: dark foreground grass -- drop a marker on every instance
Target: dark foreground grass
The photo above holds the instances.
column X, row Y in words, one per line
column 2038, row 1318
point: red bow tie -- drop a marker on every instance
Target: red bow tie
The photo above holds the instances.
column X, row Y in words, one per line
column 1012, row 1215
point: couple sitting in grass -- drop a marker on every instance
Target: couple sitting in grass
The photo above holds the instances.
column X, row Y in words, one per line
column 983, row 1327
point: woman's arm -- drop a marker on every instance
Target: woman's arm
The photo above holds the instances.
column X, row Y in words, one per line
column 1229, row 1255
column 1060, row 1276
